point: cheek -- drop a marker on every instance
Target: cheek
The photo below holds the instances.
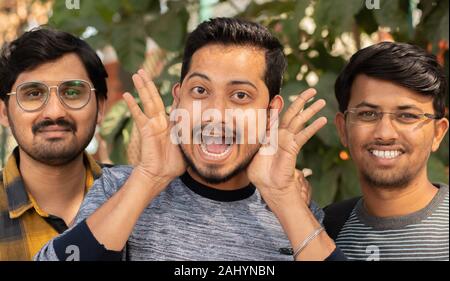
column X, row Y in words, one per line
column 356, row 139
column 420, row 142
column 21, row 122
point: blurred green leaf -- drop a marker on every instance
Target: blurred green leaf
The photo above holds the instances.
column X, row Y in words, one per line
column 268, row 9
column 437, row 172
column 324, row 186
column 325, row 87
column 394, row 14
column 129, row 41
column 337, row 16
column 349, row 181
column 434, row 24
column 171, row 39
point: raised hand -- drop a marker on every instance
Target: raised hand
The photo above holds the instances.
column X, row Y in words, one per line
column 160, row 158
column 275, row 175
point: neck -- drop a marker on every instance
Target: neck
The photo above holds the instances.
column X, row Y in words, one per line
column 400, row 201
column 57, row 190
column 237, row 182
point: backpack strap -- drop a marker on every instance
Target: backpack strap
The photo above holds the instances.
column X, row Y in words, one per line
column 337, row 214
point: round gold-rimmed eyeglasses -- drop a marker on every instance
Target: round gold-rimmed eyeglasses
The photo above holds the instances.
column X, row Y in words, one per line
column 33, row 96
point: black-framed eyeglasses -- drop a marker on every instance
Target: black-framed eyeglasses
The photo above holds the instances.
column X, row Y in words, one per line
column 33, row 96
column 364, row 116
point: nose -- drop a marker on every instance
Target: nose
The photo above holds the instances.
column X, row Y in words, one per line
column 214, row 109
column 385, row 129
column 54, row 109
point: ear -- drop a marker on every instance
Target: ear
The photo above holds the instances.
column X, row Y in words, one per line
column 440, row 129
column 101, row 110
column 276, row 103
column 4, row 120
column 339, row 121
column 176, row 89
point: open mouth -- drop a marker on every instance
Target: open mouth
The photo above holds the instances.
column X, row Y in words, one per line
column 386, row 154
column 216, row 147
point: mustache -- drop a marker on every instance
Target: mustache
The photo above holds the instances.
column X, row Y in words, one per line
column 58, row 122
column 384, row 143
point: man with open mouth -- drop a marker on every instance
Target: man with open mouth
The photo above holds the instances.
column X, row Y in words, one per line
column 392, row 117
column 209, row 197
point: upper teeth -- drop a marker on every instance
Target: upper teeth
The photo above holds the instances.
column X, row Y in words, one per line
column 388, row 154
column 205, row 150
column 216, row 140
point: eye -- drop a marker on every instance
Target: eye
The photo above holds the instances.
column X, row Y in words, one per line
column 199, row 91
column 241, row 97
column 407, row 117
column 367, row 115
column 33, row 94
column 71, row 93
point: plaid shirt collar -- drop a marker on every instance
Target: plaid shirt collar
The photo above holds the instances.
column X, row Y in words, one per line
column 19, row 200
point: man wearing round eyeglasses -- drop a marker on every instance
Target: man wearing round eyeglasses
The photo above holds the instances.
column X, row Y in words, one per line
column 53, row 90
column 392, row 117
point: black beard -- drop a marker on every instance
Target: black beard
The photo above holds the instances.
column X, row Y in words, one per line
column 52, row 154
column 399, row 182
column 211, row 177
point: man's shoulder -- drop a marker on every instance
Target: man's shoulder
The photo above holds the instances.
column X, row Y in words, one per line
column 112, row 178
column 442, row 186
column 337, row 214
column 346, row 204
column 116, row 171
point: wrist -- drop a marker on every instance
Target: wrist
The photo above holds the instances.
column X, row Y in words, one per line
column 156, row 179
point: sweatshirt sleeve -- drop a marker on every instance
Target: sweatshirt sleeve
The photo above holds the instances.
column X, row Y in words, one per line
column 71, row 245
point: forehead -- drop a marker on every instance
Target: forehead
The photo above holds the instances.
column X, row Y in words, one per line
column 385, row 94
column 66, row 67
column 231, row 61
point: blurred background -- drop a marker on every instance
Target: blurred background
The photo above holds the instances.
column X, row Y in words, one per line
column 319, row 37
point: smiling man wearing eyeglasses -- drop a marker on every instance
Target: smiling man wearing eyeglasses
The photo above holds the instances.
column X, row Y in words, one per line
column 392, row 117
column 53, row 90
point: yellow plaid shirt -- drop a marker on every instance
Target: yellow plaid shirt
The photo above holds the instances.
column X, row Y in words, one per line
column 24, row 227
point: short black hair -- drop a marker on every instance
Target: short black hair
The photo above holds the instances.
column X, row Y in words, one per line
column 42, row 45
column 403, row 64
column 233, row 31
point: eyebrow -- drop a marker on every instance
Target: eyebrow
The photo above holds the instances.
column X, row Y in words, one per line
column 366, row 104
column 408, row 106
column 197, row 74
column 233, row 82
column 401, row 107
column 243, row 82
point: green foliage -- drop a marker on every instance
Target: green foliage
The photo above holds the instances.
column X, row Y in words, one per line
column 125, row 23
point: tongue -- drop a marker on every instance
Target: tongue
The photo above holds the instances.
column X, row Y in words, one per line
column 216, row 148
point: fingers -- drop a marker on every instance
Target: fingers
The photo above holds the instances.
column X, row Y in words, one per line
column 304, row 135
column 298, row 122
column 303, row 185
column 136, row 112
column 153, row 91
column 296, row 107
column 148, row 94
column 307, row 192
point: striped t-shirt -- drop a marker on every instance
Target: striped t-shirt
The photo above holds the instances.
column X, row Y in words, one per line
column 422, row 235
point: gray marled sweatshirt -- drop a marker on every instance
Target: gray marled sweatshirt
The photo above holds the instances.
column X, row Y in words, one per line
column 190, row 221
